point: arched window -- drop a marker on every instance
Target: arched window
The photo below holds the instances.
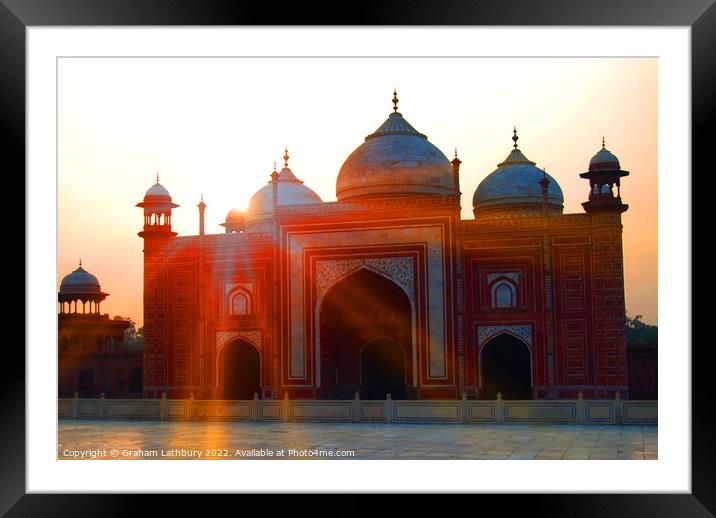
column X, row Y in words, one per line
column 240, row 302
column 503, row 293
column 135, row 380
column 85, row 381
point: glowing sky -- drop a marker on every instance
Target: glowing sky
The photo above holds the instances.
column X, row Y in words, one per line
column 216, row 125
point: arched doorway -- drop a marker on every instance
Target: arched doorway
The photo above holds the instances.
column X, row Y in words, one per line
column 365, row 321
column 136, row 380
column 85, row 381
column 506, row 367
column 239, row 371
column 382, row 365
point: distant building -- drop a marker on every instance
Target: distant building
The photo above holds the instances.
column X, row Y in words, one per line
column 643, row 361
column 92, row 356
column 388, row 289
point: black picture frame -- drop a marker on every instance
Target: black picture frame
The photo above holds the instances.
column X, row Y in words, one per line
column 700, row 15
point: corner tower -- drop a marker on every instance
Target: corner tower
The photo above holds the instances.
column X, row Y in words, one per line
column 158, row 235
column 157, row 205
column 604, row 176
column 605, row 208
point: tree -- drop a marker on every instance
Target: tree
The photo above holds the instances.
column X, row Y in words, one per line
column 133, row 337
column 639, row 332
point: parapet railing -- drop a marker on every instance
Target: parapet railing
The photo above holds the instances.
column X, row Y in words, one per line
column 578, row 411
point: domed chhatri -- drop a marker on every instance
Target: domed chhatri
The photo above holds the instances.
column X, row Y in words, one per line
column 157, row 205
column 604, row 160
column 80, row 281
column 604, row 177
column 234, row 216
column 515, row 187
column 395, row 160
column 290, row 191
column 235, row 220
column 80, row 293
column 157, row 190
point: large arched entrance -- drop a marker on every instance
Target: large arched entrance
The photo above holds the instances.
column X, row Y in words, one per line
column 85, row 381
column 239, row 371
column 382, row 365
column 365, row 323
column 136, row 380
column 506, row 367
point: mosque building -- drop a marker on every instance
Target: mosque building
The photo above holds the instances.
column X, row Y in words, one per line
column 387, row 290
column 93, row 357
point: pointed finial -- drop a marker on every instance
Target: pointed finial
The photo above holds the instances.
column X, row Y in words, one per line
column 603, row 143
column 544, row 181
column 395, row 100
column 202, row 197
column 285, row 157
column 157, row 177
column 80, row 261
column 274, row 166
column 456, row 161
column 515, row 138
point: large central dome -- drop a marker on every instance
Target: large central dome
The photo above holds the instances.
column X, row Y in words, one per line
column 395, row 160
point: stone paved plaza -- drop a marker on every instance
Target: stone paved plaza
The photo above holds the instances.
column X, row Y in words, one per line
column 241, row 440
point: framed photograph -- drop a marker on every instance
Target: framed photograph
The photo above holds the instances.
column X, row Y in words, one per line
column 429, row 229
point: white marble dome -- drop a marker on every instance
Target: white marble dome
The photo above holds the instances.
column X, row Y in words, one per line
column 604, row 160
column 291, row 191
column 79, row 281
column 158, row 190
column 395, row 160
column 515, row 187
column 235, row 216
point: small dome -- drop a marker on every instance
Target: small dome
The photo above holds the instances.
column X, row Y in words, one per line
column 515, row 187
column 158, row 190
column 291, row 191
column 235, row 220
column 157, row 199
column 604, row 160
column 395, row 160
column 235, row 216
column 80, row 282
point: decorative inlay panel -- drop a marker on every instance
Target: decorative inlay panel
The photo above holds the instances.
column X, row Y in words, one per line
column 222, row 337
column 398, row 269
column 513, row 276
column 484, row 333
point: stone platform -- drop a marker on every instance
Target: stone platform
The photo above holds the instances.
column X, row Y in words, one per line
column 304, row 440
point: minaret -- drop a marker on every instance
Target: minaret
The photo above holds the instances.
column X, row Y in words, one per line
column 544, row 185
column 456, row 173
column 605, row 208
column 202, row 207
column 275, row 282
column 604, row 175
column 459, row 282
column 157, row 234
